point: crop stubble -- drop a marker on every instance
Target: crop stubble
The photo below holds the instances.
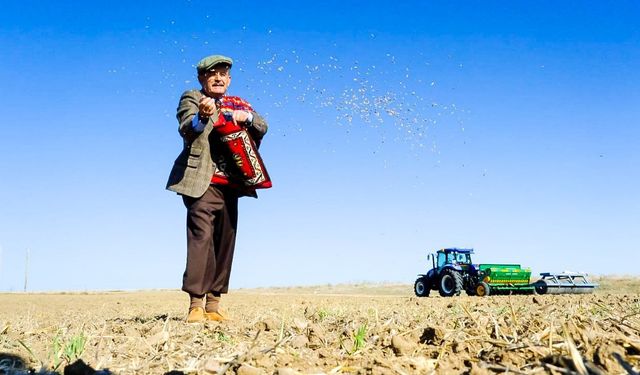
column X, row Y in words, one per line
column 364, row 329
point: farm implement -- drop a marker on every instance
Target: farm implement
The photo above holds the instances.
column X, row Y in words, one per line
column 568, row 282
column 452, row 272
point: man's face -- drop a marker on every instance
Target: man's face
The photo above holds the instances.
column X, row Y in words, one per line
column 215, row 81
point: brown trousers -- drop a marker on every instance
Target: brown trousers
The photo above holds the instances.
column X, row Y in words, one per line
column 211, row 237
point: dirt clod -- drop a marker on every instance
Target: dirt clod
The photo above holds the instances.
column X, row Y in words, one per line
column 299, row 341
column 536, row 300
column 287, row 371
column 269, row 324
column 377, row 370
column 432, row 336
column 478, row 370
column 402, row 346
column 604, row 357
column 249, row 370
column 212, row 366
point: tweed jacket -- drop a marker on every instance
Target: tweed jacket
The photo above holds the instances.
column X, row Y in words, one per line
column 202, row 152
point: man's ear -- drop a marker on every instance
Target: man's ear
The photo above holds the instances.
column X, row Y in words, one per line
column 201, row 79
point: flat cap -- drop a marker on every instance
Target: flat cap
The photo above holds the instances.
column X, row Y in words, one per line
column 210, row 61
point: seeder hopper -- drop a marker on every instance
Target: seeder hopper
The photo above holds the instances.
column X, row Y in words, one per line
column 503, row 279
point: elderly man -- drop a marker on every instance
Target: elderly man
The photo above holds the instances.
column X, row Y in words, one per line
column 199, row 175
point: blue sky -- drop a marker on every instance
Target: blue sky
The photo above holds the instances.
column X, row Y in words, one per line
column 395, row 129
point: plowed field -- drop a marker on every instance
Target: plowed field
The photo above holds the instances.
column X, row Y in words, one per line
column 355, row 329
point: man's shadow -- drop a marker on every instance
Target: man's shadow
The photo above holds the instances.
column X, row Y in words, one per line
column 11, row 364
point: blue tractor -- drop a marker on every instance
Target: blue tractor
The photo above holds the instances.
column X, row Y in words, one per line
column 452, row 272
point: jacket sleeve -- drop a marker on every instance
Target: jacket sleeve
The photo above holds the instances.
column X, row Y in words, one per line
column 187, row 109
column 258, row 128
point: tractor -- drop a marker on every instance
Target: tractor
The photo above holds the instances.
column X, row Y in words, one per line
column 452, row 271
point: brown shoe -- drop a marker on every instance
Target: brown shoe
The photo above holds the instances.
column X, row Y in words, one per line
column 216, row 316
column 196, row 315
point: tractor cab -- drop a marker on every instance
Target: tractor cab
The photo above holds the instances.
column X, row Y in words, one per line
column 459, row 259
column 454, row 256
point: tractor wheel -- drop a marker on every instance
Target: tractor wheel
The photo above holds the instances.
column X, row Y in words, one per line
column 483, row 289
column 450, row 283
column 421, row 288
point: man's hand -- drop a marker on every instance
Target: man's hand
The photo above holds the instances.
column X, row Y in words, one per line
column 207, row 106
column 241, row 116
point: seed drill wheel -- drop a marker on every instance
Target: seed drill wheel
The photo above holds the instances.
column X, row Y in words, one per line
column 421, row 288
column 483, row 289
column 541, row 287
column 450, row 283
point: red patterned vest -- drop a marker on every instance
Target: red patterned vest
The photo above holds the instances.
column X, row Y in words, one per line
column 241, row 165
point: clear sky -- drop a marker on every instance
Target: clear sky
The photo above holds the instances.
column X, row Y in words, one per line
column 395, row 129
